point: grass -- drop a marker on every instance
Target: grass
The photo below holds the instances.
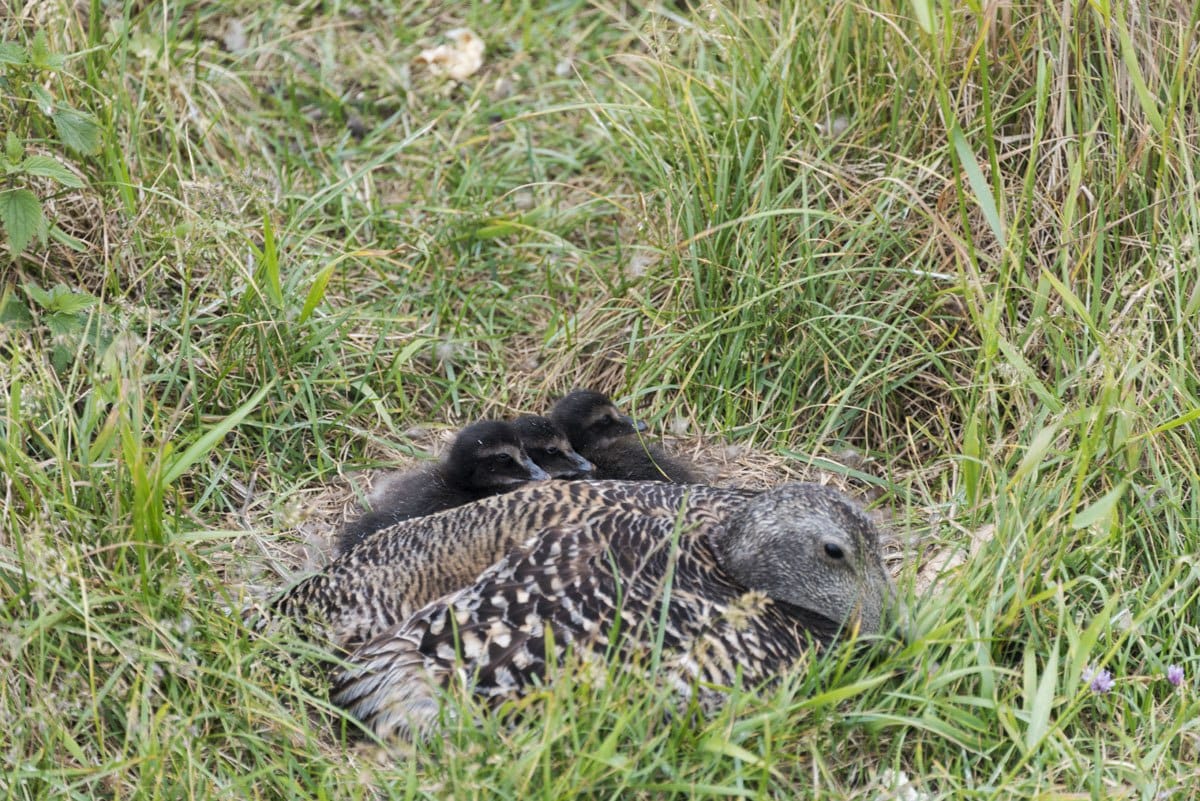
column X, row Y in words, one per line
column 956, row 242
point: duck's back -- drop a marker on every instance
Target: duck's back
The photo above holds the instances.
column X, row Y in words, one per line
column 407, row 496
column 632, row 459
column 397, row 570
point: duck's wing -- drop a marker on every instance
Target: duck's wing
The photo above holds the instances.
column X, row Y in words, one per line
column 493, row 636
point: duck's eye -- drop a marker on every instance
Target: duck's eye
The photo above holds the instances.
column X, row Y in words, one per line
column 504, row 457
column 834, row 551
column 552, row 449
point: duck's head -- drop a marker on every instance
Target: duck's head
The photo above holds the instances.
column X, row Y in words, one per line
column 590, row 419
column 812, row 547
column 550, row 448
column 487, row 456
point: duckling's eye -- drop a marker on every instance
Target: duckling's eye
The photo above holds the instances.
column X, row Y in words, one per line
column 833, row 551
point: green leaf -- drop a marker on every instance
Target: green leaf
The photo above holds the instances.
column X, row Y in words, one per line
column 62, row 325
column 979, row 185
column 21, row 214
column 1101, row 509
column 12, row 53
column 1076, row 305
column 41, row 56
column 13, row 149
column 972, row 459
column 1032, row 460
column 923, row 11
column 61, row 358
column 1039, row 697
column 1181, row 420
column 839, row 694
column 66, row 240
column 717, row 744
column 198, row 449
column 47, row 167
column 1028, row 374
column 77, row 130
column 45, row 101
column 39, row 48
column 269, row 264
column 1129, row 57
column 497, row 227
column 316, row 292
column 13, row 311
column 39, row 296
column 64, row 301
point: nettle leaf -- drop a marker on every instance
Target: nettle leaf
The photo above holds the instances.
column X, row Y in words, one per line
column 13, row 149
column 44, row 100
column 13, row 311
column 61, row 358
column 40, row 55
column 22, row 216
column 47, row 167
column 12, row 53
column 62, row 325
column 39, row 48
column 38, row 295
column 64, row 301
column 63, row 238
column 77, row 130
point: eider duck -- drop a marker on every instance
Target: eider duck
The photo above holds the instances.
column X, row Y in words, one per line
column 485, row 458
column 749, row 582
column 550, row 449
column 609, row 439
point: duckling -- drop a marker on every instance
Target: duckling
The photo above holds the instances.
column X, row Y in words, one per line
column 732, row 589
column 485, row 458
column 600, row 433
column 550, row 449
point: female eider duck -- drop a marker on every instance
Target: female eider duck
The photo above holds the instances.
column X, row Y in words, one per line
column 485, row 458
column 750, row 582
column 611, row 441
column 550, row 449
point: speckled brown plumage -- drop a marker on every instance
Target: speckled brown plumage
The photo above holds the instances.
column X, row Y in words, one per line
column 749, row 586
column 614, row 442
column 397, row 570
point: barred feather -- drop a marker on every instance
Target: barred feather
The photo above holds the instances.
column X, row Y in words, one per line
column 397, row 570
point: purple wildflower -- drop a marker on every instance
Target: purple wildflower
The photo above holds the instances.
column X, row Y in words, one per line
column 1101, row 681
column 1175, row 675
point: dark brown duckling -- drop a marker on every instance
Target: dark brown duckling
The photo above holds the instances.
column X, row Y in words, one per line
column 550, row 449
column 609, row 439
column 486, row 458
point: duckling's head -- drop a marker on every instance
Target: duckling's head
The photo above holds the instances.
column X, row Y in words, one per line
column 591, row 420
column 812, row 547
column 550, row 449
column 487, row 456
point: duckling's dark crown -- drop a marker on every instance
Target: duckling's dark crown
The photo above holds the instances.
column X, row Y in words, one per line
column 481, row 435
column 530, row 426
